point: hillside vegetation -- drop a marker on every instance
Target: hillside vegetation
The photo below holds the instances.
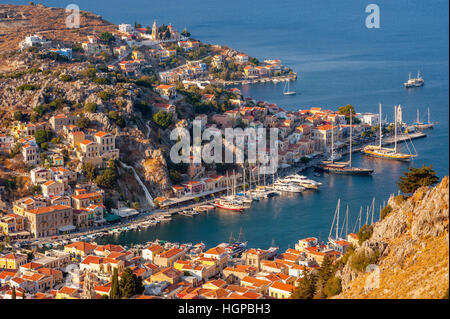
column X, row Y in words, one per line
column 411, row 249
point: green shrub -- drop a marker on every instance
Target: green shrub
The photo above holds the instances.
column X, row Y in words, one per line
column 83, row 122
column 359, row 261
column 365, row 233
column 102, row 81
column 399, row 199
column 26, row 87
column 163, row 119
column 333, row 287
column 385, row 211
column 18, row 116
column 65, row 77
column 105, row 96
column 90, row 107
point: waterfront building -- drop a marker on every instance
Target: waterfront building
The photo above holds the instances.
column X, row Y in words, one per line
column 49, row 221
column 85, row 200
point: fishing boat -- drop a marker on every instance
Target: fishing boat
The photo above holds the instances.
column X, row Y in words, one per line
column 342, row 168
column 287, row 90
column 386, row 152
column 414, row 82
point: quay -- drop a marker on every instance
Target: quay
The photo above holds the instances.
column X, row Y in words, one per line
column 260, row 80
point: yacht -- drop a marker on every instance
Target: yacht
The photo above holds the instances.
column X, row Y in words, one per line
column 302, row 181
column 229, row 205
column 283, row 186
column 414, row 82
column 389, row 153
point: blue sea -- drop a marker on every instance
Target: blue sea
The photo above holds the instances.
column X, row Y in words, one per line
column 339, row 61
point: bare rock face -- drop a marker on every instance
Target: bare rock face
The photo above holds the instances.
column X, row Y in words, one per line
column 100, row 120
column 156, row 173
column 402, row 242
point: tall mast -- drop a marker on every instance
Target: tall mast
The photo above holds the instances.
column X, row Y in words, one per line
column 244, row 177
column 350, row 161
column 428, row 110
column 379, row 124
column 337, row 221
column 332, row 144
column 395, row 128
column 417, row 120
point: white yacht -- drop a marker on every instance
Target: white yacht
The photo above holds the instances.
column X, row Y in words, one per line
column 284, row 186
column 302, row 181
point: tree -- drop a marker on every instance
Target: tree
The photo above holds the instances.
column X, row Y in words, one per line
column 333, row 287
column 65, row 77
column 18, row 115
column 307, row 287
column 42, row 136
column 326, row 270
column 163, row 119
column 107, row 37
column 105, row 96
column 89, row 171
column 365, row 233
column 345, row 110
column 90, row 107
column 115, row 291
column 108, row 178
column 385, row 211
column 83, row 122
column 13, row 293
column 130, row 284
column 30, row 256
column 415, row 178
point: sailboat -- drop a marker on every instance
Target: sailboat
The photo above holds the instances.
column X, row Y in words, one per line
column 387, row 152
column 287, row 89
column 421, row 125
column 343, row 168
column 332, row 240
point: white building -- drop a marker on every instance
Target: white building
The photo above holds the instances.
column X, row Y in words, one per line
column 126, row 28
column 369, row 118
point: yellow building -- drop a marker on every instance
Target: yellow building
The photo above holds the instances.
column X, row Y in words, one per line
column 12, row 261
column 68, row 293
column 280, row 290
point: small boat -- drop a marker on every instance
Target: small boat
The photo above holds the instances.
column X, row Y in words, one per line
column 287, row 89
column 229, row 205
column 414, row 82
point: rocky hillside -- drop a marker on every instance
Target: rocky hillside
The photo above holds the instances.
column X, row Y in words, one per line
column 16, row 22
column 411, row 248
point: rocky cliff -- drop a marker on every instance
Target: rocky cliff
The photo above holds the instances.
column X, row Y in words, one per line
column 410, row 247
